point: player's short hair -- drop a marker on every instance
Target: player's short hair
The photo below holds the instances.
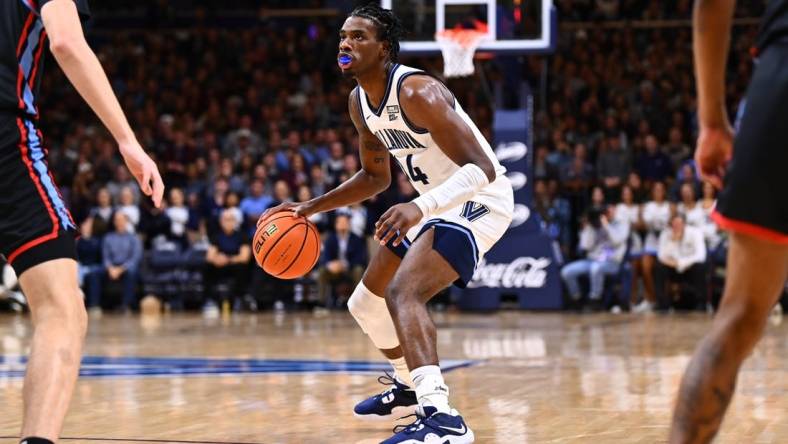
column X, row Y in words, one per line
column 389, row 27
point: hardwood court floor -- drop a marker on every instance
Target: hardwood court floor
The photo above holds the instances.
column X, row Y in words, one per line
column 294, row 378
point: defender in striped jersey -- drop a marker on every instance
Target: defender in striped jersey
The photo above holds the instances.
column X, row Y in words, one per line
column 465, row 206
column 36, row 228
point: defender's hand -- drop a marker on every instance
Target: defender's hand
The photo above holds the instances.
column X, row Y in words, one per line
column 715, row 147
column 144, row 170
column 395, row 223
column 298, row 209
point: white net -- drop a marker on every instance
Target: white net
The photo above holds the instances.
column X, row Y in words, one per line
column 458, row 47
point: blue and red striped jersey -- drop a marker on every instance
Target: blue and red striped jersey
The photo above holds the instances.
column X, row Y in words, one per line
column 22, row 48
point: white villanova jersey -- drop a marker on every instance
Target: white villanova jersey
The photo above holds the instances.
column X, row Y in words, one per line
column 418, row 155
column 485, row 217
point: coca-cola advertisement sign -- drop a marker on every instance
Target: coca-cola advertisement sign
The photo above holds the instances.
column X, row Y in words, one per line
column 523, row 272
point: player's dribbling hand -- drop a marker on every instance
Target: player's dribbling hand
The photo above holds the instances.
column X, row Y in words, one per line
column 299, row 209
column 144, row 169
column 715, row 147
column 395, row 223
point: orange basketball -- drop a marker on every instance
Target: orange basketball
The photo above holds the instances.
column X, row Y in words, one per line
column 286, row 246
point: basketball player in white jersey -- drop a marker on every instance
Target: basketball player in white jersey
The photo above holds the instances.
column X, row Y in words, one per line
column 465, row 206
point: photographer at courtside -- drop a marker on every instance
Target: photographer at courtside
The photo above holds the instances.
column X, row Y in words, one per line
column 603, row 239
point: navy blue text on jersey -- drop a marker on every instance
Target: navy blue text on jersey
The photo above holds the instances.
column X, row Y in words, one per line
column 395, row 139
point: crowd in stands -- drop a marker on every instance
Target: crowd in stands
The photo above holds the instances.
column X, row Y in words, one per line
column 242, row 119
column 616, row 183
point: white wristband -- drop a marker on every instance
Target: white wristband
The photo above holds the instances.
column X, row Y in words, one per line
column 458, row 188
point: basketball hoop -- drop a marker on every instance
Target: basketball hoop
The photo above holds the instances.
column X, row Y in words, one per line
column 458, row 46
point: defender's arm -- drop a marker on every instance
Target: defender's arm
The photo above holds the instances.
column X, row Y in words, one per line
column 81, row 66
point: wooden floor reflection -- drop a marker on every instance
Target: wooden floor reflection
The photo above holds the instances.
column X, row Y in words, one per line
column 535, row 378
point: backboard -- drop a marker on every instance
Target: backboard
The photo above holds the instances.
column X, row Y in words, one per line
column 514, row 26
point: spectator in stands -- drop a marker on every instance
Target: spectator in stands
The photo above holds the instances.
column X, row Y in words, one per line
column 298, row 172
column 344, row 258
column 227, row 172
column 335, row 165
column 178, row 214
column 639, row 191
column 577, row 174
column 682, row 257
column 195, row 227
column 603, row 239
column 350, row 164
column 358, row 219
column 686, row 176
column 281, row 193
column 102, row 212
column 690, row 208
column 261, row 173
column 243, row 141
column 123, row 180
column 121, row 254
column 598, row 200
column 129, row 208
column 543, row 169
column 232, row 203
column 554, row 212
column 629, row 212
column 215, row 204
column 613, row 165
column 317, row 180
column 656, row 217
column 89, row 264
column 653, row 165
column 253, row 205
column 676, row 149
column 228, row 257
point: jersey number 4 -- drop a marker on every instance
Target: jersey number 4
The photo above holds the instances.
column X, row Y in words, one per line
column 415, row 173
column 473, row 210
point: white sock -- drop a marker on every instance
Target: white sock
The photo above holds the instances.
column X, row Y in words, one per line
column 430, row 388
column 401, row 371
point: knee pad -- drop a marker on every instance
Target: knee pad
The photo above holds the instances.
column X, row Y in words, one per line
column 373, row 317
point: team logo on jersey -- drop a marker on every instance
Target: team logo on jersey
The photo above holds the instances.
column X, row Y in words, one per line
column 393, row 110
column 473, row 210
column 397, row 139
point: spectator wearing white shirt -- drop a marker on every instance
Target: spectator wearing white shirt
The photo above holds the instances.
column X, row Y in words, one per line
column 178, row 214
column 682, row 258
column 628, row 211
column 603, row 238
column 129, row 208
column 656, row 217
column 689, row 208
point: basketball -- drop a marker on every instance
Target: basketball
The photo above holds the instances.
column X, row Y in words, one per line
column 286, row 246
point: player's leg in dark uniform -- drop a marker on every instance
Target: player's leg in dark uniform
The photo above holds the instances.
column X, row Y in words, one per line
column 37, row 238
column 754, row 208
